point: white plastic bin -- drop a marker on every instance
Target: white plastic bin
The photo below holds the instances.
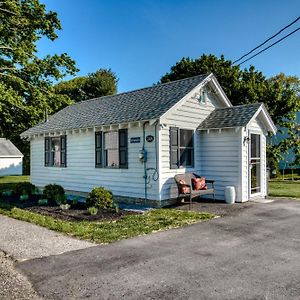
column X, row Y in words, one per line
column 230, row 194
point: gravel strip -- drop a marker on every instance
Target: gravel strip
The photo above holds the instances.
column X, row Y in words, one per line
column 14, row 285
column 23, row 240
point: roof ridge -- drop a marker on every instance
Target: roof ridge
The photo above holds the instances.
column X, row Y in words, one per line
column 140, row 89
column 234, row 106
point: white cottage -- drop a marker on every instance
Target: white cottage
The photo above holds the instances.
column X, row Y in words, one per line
column 11, row 159
column 124, row 143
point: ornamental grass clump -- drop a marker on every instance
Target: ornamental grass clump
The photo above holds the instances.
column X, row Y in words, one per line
column 92, row 210
column 100, row 198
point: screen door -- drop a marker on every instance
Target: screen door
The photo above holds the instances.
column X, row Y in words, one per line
column 255, row 163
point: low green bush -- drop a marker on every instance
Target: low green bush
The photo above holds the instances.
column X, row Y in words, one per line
column 24, row 197
column 7, row 193
column 75, row 201
column 65, row 206
column 55, row 194
column 92, row 210
column 100, row 198
column 25, row 188
column 43, row 202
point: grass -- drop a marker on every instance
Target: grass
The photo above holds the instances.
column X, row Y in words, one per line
column 278, row 188
column 106, row 231
column 9, row 182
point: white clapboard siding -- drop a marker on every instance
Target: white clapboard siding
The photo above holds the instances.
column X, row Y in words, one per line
column 81, row 174
column 219, row 157
column 188, row 115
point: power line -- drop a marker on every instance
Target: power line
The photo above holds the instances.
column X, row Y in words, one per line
column 296, row 20
column 270, row 46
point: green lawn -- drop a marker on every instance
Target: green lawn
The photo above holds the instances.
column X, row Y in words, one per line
column 279, row 188
column 106, row 231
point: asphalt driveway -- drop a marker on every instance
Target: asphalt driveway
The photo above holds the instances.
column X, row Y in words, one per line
column 254, row 254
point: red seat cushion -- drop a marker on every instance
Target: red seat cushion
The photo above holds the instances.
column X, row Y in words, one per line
column 183, row 188
column 199, row 184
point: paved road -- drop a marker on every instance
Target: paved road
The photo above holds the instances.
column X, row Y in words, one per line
column 252, row 255
column 23, row 240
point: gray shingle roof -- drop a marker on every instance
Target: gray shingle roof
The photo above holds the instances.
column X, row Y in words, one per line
column 143, row 104
column 235, row 116
column 7, row 148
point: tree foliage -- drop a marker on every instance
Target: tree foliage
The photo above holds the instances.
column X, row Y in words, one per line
column 280, row 94
column 25, row 79
column 100, row 83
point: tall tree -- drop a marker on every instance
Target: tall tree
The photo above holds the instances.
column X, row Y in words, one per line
column 280, row 94
column 26, row 79
column 100, row 83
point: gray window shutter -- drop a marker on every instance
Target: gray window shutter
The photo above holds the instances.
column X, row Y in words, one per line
column 63, row 151
column 123, row 148
column 47, row 151
column 174, row 148
column 98, row 149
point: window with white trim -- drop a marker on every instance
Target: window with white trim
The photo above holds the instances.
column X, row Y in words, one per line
column 111, row 149
column 181, row 148
column 55, row 152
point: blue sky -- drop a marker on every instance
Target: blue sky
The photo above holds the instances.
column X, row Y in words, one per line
column 140, row 40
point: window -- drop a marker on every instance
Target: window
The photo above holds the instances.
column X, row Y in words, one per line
column 98, row 149
column 111, row 149
column 56, row 151
column 181, row 148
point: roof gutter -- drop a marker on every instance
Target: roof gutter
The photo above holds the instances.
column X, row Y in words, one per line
column 139, row 123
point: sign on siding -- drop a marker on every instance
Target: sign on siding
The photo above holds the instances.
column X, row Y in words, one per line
column 135, row 140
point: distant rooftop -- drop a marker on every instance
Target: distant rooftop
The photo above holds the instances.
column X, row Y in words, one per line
column 7, row 148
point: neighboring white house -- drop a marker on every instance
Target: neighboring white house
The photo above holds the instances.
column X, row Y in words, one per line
column 123, row 142
column 11, row 159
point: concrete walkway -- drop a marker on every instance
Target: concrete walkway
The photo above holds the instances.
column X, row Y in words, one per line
column 23, row 240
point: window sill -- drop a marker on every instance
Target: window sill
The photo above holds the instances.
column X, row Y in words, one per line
column 56, row 167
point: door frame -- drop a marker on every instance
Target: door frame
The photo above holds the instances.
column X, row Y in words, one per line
column 257, row 194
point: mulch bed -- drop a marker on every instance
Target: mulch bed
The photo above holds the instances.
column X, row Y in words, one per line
column 14, row 200
column 74, row 214
column 77, row 212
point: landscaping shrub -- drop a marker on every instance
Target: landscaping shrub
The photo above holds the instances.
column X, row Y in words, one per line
column 92, row 210
column 55, row 194
column 43, row 202
column 65, row 206
column 100, row 198
column 25, row 188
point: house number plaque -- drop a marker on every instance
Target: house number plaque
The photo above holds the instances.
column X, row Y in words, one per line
column 149, row 138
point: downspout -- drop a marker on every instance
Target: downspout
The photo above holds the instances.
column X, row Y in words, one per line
column 145, row 162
